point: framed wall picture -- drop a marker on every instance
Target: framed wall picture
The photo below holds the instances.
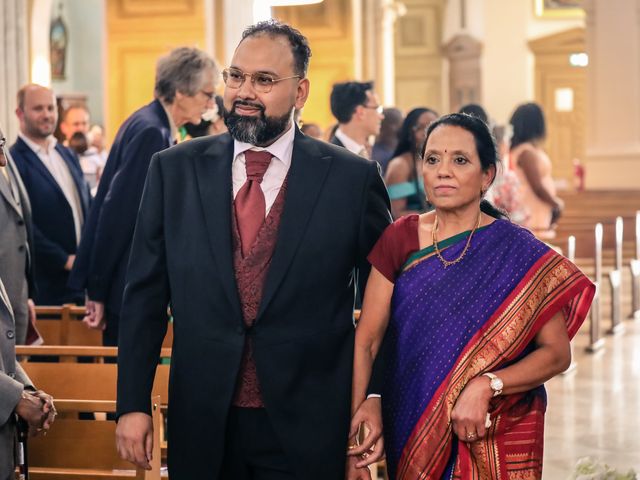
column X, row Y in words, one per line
column 58, row 44
column 562, row 9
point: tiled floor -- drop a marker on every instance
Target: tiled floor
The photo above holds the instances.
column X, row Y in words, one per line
column 595, row 410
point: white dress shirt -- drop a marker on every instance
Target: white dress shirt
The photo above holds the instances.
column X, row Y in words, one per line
column 281, row 149
column 350, row 144
column 59, row 170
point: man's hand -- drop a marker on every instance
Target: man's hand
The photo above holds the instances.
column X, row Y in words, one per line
column 134, row 438
column 69, row 265
column 371, row 448
column 47, row 407
column 31, row 409
column 354, row 473
column 95, row 315
column 31, row 308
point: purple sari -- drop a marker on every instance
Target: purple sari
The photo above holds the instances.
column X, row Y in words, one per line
column 449, row 325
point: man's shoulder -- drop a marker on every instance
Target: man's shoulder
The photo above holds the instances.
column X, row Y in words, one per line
column 213, row 145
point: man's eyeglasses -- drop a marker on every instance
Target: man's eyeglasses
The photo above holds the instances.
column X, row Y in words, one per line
column 378, row 108
column 262, row 82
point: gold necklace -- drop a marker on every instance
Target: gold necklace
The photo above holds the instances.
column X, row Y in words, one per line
column 444, row 261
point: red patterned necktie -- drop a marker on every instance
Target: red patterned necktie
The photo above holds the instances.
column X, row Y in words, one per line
column 249, row 204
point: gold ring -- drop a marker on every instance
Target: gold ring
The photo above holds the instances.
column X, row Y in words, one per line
column 471, row 435
column 351, row 447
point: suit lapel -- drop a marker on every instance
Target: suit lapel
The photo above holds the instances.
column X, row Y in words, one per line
column 31, row 157
column 5, row 190
column 305, row 180
column 213, row 177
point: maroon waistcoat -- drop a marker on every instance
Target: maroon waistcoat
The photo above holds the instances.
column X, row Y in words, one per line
column 251, row 273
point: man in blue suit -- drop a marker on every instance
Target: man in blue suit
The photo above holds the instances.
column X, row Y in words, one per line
column 184, row 90
column 58, row 193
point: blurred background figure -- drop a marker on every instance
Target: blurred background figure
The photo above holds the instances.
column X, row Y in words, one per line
column 184, row 91
column 533, row 169
column 357, row 108
column 75, row 128
column 212, row 123
column 58, row 193
column 404, row 173
column 475, row 110
column 312, row 130
column 387, row 141
column 96, row 140
column 504, row 193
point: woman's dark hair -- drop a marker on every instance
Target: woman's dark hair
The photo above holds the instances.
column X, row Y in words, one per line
column 528, row 124
column 485, row 145
column 475, row 110
column 406, row 137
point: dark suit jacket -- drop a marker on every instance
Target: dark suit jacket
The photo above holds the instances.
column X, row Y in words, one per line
column 16, row 247
column 336, row 141
column 104, row 250
column 53, row 227
column 336, row 207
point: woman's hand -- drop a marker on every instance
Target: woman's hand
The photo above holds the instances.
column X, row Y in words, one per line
column 356, row 473
column 469, row 414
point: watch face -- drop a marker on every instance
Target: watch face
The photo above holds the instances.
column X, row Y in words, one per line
column 496, row 384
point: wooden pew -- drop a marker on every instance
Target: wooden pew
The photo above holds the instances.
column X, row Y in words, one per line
column 85, row 449
column 83, row 380
column 62, row 325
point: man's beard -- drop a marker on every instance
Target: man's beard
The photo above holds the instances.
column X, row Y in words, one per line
column 258, row 130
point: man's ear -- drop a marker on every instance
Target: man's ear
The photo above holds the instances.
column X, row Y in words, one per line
column 302, row 93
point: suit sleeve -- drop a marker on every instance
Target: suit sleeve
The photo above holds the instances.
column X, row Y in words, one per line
column 375, row 218
column 49, row 252
column 143, row 321
column 117, row 216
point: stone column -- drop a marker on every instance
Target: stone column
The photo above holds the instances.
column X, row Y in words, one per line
column 14, row 56
column 613, row 94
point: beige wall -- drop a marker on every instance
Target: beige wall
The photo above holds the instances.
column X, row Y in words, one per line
column 504, row 27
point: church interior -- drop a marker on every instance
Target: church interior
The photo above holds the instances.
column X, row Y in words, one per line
column 579, row 60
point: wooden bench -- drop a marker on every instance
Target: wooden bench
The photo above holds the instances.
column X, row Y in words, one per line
column 62, row 325
column 83, row 380
column 85, row 449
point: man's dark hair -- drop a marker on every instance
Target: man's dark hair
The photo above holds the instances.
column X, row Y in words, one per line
column 299, row 44
column 345, row 97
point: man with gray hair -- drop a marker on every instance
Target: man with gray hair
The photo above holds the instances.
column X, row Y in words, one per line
column 184, row 90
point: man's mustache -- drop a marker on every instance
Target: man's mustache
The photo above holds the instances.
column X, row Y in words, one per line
column 244, row 103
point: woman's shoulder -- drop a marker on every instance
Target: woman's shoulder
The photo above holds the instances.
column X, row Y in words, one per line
column 398, row 170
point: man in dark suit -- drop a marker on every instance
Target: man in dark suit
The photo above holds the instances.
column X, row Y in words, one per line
column 184, row 90
column 16, row 245
column 253, row 237
column 359, row 113
column 58, row 193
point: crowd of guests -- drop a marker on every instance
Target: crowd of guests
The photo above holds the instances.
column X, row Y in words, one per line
column 210, row 235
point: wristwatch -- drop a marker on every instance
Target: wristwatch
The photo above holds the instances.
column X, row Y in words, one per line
column 495, row 384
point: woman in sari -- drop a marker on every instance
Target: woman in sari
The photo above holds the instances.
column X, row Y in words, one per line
column 476, row 314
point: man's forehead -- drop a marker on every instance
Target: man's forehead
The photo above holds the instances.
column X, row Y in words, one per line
column 261, row 50
column 39, row 95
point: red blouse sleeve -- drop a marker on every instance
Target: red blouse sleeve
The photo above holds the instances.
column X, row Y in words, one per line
column 397, row 242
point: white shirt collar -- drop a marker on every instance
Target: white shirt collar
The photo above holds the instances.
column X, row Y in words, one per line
column 51, row 143
column 282, row 148
column 348, row 142
column 172, row 126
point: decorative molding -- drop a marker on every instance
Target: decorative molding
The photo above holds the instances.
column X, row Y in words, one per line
column 161, row 8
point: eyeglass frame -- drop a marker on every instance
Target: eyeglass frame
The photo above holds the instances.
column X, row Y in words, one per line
column 274, row 80
column 378, row 108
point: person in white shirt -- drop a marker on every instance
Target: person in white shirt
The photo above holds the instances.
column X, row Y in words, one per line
column 58, row 193
column 75, row 128
column 359, row 113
